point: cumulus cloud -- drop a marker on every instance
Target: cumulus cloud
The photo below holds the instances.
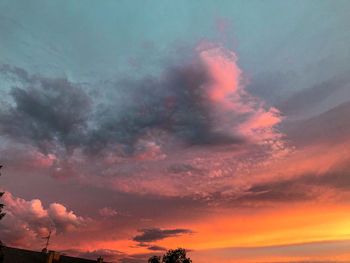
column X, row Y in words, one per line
column 63, row 220
column 27, row 222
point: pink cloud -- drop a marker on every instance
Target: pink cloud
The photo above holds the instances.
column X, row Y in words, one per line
column 27, row 222
column 239, row 111
column 107, row 212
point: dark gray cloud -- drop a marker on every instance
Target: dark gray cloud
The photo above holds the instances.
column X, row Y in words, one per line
column 155, row 234
column 151, row 247
column 16, row 73
column 47, row 113
column 156, row 248
column 176, row 104
column 57, row 113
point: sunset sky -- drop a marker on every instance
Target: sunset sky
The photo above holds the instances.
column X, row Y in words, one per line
column 132, row 127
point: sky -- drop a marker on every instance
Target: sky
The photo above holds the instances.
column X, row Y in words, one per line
column 131, row 127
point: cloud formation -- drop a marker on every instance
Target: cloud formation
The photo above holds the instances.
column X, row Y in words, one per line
column 135, row 125
column 27, row 222
column 302, row 187
column 155, row 234
column 48, row 113
column 181, row 119
column 200, row 102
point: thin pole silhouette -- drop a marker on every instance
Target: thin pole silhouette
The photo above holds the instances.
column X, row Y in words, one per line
column 47, row 239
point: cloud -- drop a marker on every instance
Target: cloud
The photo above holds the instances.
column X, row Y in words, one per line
column 319, row 97
column 302, row 187
column 64, row 221
column 47, row 113
column 156, row 248
column 128, row 135
column 155, row 234
column 186, row 140
column 330, row 127
column 16, row 73
column 27, row 222
column 203, row 101
column 107, row 212
column 279, row 191
column 150, row 246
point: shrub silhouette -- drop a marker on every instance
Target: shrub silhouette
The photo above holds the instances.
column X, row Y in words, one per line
column 172, row 256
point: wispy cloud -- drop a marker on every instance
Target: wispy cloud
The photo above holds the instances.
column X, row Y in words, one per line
column 155, row 234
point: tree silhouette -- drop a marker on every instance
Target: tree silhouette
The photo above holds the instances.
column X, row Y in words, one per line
column 172, row 256
column 176, row 256
column 1, row 216
column 1, row 205
column 154, row 259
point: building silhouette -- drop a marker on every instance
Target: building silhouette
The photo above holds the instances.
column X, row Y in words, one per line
column 16, row 255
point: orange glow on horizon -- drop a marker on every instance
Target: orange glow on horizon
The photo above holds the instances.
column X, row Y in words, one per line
column 297, row 224
column 268, row 228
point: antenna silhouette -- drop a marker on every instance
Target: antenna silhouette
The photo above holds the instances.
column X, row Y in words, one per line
column 47, row 240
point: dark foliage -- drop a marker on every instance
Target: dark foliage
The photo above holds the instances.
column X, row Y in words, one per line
column 1, row 216
column 1, row 205
column 154, row 259
column 172, row 256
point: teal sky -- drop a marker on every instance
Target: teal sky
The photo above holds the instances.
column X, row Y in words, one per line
column 80, row 38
